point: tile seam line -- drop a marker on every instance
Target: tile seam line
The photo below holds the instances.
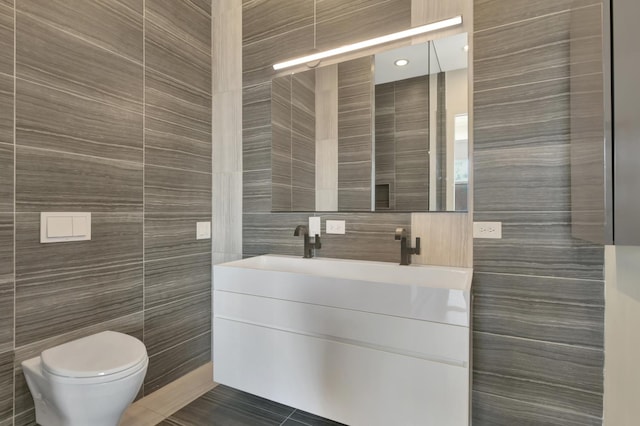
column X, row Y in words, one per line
column 15, row 83
column 176, row 80
column 79, row 37
column 157, row 23
column 312, row 24
column 533, row 18
column 493, row 296
column 525, row 339
column 534, row 82
column 144, row 167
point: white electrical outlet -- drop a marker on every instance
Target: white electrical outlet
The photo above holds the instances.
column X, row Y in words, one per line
column 336, row 227
column 314, row 226
column 487, row 230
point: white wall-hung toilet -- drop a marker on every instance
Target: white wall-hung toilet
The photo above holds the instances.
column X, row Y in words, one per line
column 89, row 381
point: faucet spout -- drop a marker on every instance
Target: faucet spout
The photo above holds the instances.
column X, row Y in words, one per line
column 309, row 246
column 405, row 249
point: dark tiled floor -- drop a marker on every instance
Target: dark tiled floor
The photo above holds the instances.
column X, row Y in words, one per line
column 224, row 406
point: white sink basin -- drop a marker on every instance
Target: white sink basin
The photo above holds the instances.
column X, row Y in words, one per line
column 429, row 293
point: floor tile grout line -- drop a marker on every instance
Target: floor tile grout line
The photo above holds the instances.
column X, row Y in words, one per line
column 288, row 417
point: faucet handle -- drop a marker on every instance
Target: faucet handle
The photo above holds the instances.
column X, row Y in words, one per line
column 400, row 233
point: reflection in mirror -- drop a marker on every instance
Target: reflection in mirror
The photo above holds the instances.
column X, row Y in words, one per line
column 387, row 132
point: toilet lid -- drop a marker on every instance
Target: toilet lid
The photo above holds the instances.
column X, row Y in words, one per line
column 97, row 355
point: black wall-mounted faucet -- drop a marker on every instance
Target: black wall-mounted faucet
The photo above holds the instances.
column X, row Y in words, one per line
column 309, row 246
column 405, row 250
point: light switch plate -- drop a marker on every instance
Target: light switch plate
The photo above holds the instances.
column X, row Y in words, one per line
column 336, row 227
column 203, row 230
column 59, row 227
column 314, row 226
column 487, row 230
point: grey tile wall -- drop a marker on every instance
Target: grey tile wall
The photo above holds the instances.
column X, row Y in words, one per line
column 113, row 116
column 355, row 138
column 177, row 186
column 7, row 278
column 539, row 305
column 402, row 142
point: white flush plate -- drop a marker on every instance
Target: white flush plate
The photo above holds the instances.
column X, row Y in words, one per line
column 203, row 230
column 58, row 227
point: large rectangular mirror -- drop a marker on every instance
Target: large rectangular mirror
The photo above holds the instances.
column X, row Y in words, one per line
column 387, row 132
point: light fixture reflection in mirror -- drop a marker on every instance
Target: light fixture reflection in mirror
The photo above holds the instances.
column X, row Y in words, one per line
column 414, row 157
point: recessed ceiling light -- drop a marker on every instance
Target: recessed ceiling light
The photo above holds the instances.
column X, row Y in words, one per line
column 401, row 62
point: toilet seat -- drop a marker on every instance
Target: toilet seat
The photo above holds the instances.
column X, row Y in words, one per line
column 102, row 357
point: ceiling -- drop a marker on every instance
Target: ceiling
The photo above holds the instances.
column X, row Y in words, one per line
column 447, row 54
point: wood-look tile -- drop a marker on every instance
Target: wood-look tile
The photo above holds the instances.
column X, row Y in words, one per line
column 115, row 239
column 168, row 280
column 256, row 191
column 226, row 23
column 56, row 181
column 173, row 190
column 169, row 54
column 540, row 288
column 258, row 58
column 170, row 100
column 256, row 146
column 539, row 393
column 354, row 199
column 6, row 39
column 539, row 320
column 227, row 213
column 377, row 20
column 355, row 123
column 138, row 415
column 112, row 25
column 6, row 178
column 174, row 323
column 228, row 406
column 166, row 146
column 492, row 13
column 330, row 9
column 263, row 19
column 537, row 243
column 534, row 115
column 546, row 54
column 51, row 119
column 545, row 362
column 187, row 20
column 6, row 385
column 376, row 231
column 48, row 306
column 63, row 61
column 6, row 283
column 281, row 198
column 272, row 233
column 354, row 175
column 27, row 418
column 168, row 235
column 129, row 324
column 303, row 199
column 492, row 410
column 523, row 179
column 303, row 149
column 227, row 140
column 256, row 105
column 175, row 362
column 7, row 422
column 6, row 109
column 311, row 419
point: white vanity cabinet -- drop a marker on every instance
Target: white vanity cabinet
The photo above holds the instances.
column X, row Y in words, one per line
column 362, row 343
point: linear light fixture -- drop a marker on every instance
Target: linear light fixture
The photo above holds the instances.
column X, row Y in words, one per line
column 371, row 42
